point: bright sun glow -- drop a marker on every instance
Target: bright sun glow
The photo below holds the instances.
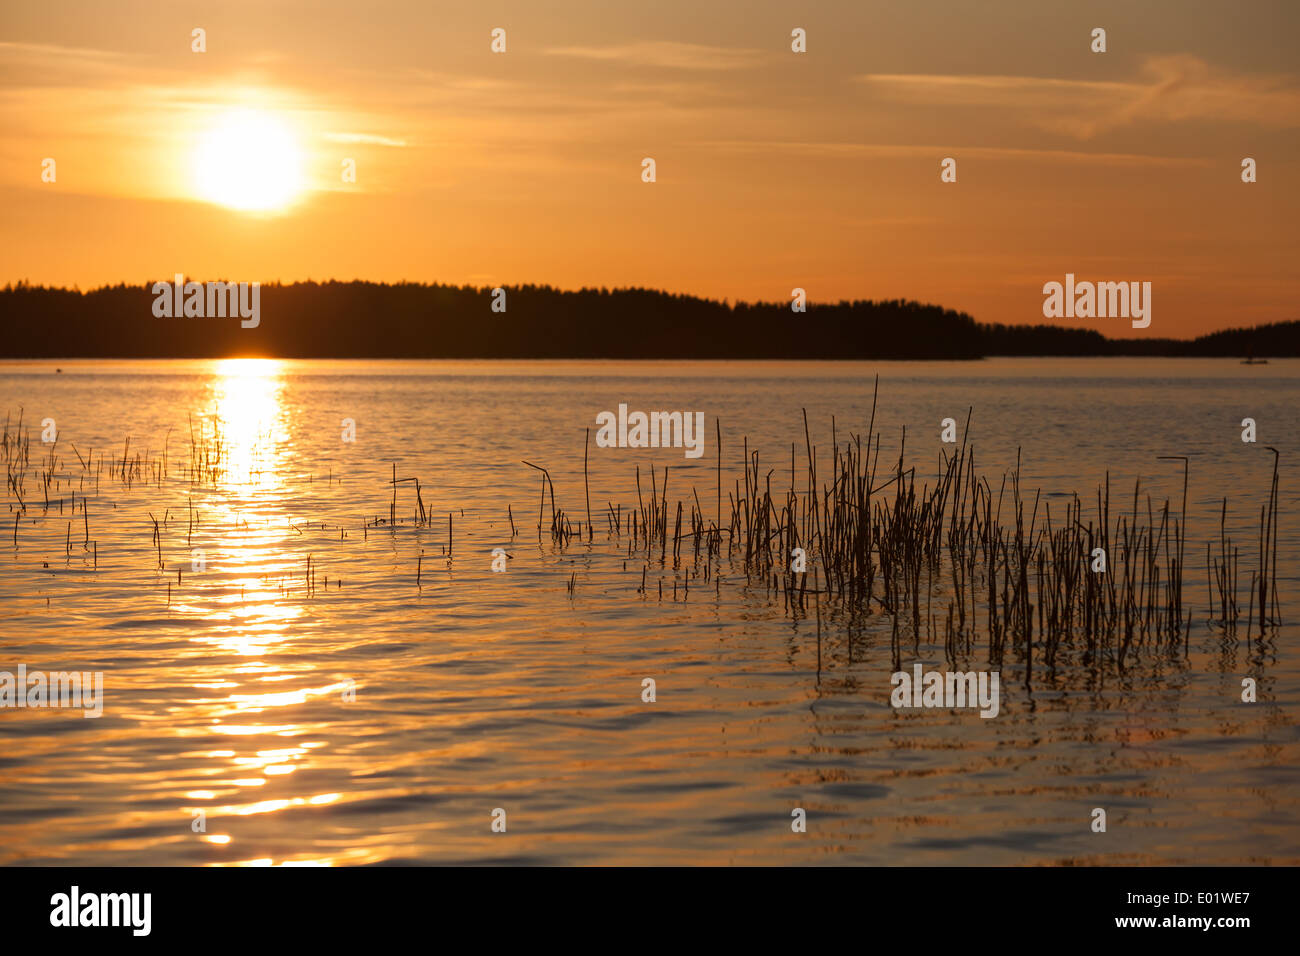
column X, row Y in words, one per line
column 248, row 160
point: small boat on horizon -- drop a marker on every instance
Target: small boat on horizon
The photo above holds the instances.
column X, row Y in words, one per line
column 1254, row 361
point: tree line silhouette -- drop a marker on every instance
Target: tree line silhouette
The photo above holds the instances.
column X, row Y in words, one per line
column 414, row 320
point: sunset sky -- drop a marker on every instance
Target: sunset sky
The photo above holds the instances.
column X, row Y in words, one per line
column 774, row 169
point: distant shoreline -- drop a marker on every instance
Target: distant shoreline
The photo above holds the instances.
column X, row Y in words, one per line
column 366, row 320
column 47, row 360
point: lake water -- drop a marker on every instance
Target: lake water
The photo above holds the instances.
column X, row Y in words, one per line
column 227, row 690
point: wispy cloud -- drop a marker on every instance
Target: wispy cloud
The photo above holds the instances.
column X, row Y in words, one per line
column 1170, row 89
column 54, row 51
column 909, row 151
column 666, row 54
column 26, row 66
column 368, row 139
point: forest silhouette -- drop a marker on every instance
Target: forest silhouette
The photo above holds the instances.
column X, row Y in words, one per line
column 413, row 320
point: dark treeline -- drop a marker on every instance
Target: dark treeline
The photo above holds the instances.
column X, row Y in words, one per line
column 409, row 320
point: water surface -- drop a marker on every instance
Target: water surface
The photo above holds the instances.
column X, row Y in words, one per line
column 226, row 688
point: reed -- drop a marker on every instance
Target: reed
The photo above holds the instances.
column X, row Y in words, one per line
column 1006, row 570
column 982, row 565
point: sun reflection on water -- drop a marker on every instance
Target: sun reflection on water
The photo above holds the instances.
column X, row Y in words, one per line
column 245, row 397
column 250, row 607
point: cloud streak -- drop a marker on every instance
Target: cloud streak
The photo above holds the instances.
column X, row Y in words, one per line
column 368, row 139
column 665, row 54
column 910, row 151
column 1170, row 89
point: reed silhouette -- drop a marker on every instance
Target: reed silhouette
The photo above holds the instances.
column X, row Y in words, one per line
column 985, row 566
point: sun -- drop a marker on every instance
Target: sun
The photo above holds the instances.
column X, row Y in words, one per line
column 248, row 160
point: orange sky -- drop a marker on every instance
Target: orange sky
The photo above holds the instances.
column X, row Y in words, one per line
column 775, row 169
